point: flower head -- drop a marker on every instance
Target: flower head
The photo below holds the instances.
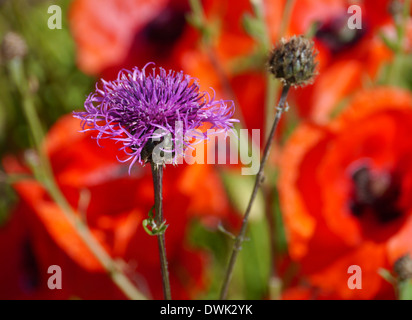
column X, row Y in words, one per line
column 293, row 61
column 13, row 46
column 142, row 110
column 345, row 187
column 403, row 267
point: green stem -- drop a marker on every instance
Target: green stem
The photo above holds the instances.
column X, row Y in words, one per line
column 157, row 173
column 258, row 181
column 272, row 88
column 48, row 181
column 287, row 13
column 401, row 26
column 272, row 85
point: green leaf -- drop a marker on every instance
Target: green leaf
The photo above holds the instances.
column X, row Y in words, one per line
column 252, row 271
column 388, row 42
column 239, row 188
column 150, row 213
column 256, row 260
column 253, row 27
column 150, row 226
column 222, row 229
column 387, row 275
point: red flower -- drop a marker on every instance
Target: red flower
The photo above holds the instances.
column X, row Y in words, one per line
column 114, row 205
column 112, row 34
column 347, row 57
column 305, row 293
column 345, row 193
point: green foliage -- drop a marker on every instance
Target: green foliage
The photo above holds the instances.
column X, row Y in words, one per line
column 237, row 187
column 150, row 226
column 405, row 289
column 50, row 66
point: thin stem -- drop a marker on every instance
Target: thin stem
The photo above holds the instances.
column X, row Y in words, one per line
column 266, row 44
column 48, row 181
column 258, row 181
column 157, row 173
column 225, row 82
column 272, row 89
column 272, row 85
column 287, row 12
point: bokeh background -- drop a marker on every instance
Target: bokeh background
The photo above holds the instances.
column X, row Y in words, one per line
column 338, row 185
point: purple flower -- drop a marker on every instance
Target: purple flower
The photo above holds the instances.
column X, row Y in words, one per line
column 132, row 109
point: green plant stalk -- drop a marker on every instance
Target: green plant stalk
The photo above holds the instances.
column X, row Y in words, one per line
column 271, row 83
column 287, row 13
column 272, row 88
column 404, row 289
column 401, row 27
column 157, row 173
column 46, row 175
column 258, row 181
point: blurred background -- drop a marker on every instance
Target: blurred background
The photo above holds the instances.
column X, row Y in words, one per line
column 338, row 184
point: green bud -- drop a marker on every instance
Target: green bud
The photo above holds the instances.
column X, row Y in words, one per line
column 293, row 61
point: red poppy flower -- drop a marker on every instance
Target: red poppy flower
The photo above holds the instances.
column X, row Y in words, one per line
column 115, row 34
column 347, row 56
column 345, row 192
column 305, row 293
column 114, row 205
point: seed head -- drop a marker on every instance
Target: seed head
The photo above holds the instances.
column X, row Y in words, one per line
column 293, row 61
column 13, row 46
column 403, row 267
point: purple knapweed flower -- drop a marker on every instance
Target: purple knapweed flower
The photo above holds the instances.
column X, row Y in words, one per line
column 132, row 109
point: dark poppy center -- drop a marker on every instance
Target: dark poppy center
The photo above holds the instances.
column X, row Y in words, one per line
column 375, row 194
column 30, row 278
column 337, row 36
column 166, row 28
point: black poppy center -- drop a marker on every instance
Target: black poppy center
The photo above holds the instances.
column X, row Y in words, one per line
column 337, row 36
column 375, row 196
column 165, row 29
column 30, row 279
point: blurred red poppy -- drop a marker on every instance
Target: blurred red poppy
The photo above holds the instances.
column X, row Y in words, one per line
column 144, row 30
column 305, row 293
column 113, row 205
column 345, row 191
column 105, row 30
column 347, row 57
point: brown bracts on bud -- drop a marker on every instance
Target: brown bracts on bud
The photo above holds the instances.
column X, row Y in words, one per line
column 403, row 267
column 293, row 61
column 13, row 46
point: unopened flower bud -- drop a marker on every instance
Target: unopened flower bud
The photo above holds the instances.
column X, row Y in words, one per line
column 395, row 9
column 13, row 46
column 293, row 61
column 403, row 267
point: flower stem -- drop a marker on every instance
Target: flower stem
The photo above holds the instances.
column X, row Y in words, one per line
column 258, row 181
column 47, row 179
column 401, row 28
column 157, row 173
